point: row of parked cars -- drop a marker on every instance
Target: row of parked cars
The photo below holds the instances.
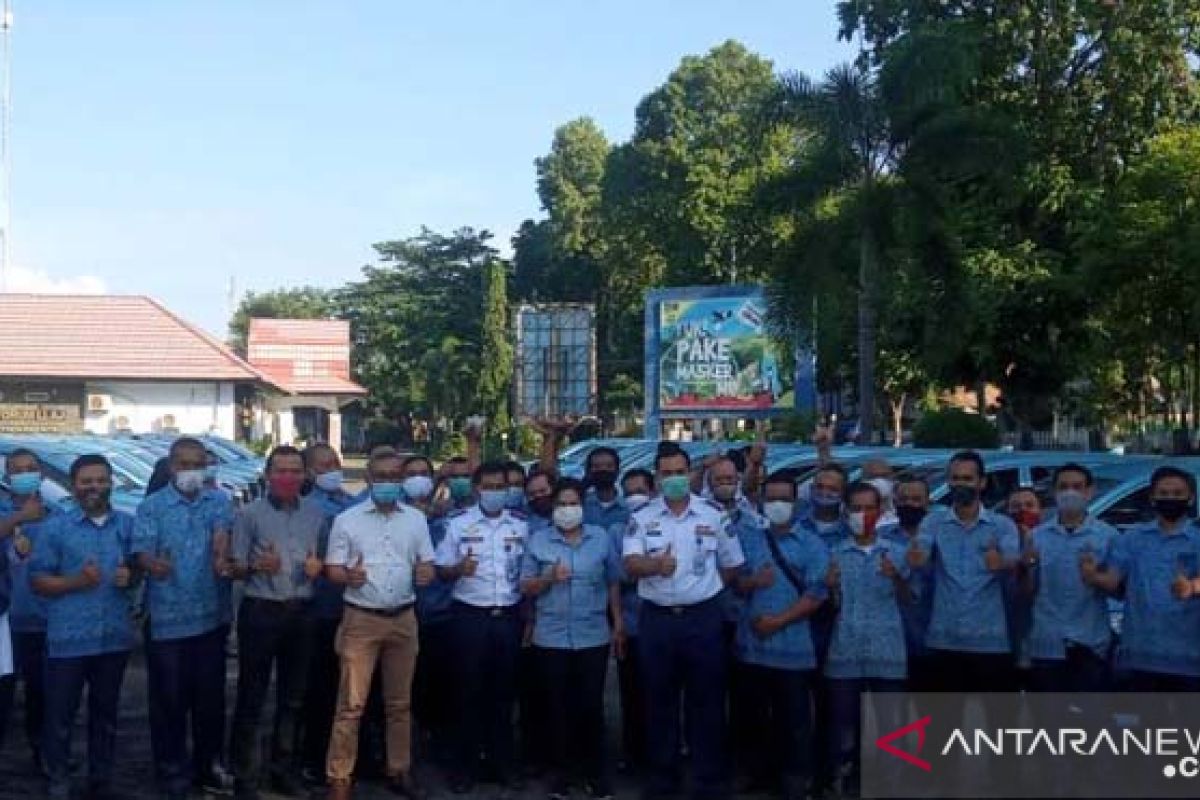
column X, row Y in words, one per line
column 133, row 457
column 1122, row 496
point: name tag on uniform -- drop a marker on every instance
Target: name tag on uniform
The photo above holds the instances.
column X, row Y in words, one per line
column 510, row 540
column 472, row 540
column 705, row 530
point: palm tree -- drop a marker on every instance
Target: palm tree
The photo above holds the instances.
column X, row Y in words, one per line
column 846, row 154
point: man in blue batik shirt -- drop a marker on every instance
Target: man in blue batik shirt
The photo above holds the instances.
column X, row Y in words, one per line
column 182, row 540
column 1157, row 565
column 911, row 503
column 601, row 505
column 783, row 586
column 23, row 518
column 328, row 491
column 80, row 564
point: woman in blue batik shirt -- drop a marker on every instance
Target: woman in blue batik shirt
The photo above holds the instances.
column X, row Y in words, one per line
column 573, row 571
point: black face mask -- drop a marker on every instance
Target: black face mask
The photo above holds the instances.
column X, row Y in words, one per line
column 542, row 506
column 1172, row 509
column 603, row 480
column 910, row 516
column 963, row 495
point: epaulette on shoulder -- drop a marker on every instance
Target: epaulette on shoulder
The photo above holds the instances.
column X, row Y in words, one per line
column 518, row 514
column 715, row 506
column 456, row 512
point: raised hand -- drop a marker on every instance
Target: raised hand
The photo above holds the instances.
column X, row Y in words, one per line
column 1089, row 569
column 667, row 563
column 469, row 564
column 312, row 565
column 268, row 560
column 886, row 567
column 222, row 565
column 993, row 559
column 356, row 574
column 423, row 573
column 764, row 578
column 916, row 556
column 561, row 572
column 89, row 575
column 122, row 576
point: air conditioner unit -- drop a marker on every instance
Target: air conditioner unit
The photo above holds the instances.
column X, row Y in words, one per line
column 99, row 403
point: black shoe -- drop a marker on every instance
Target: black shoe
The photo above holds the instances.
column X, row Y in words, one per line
column 313, row 777
column 559, row 790
column 600, row 789
column 286, row 784
column 405, row 786
column 461, row 784
column 215, row 781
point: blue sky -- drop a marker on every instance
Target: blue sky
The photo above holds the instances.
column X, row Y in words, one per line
column 164, row 146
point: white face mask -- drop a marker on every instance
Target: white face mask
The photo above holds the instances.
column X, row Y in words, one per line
column 779, row 512
column 857, row 522
column 417, row 487
column 189, row 481
column 329, row 481
column 636, row 502
column 568, row 518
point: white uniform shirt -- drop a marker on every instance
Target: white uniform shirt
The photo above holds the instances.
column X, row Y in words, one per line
column 700, row 541
column 390, row 546
column 498, row 544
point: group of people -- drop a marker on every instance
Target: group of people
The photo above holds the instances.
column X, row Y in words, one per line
column 748, row 615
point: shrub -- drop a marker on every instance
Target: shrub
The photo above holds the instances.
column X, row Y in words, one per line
column 382, row 431
column 954, row 428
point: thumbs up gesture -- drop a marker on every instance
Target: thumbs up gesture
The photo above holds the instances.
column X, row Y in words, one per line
column 992, row 558
column 1181, row 588
column 122, row 576
column 833, row 575
column 220, row 554
column 886, row 567
column 423, row 573
column 469, row 565
column 268, row 560
column 312, row 565
column 1088, row 569
column 765, row 577
column 356, row 574
column 667, row 563
column 1030, row 557
column 561, row 573
column 160, row 565
column 89, row 575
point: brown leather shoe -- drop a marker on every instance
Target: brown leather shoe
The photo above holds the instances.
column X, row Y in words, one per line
column 339, row 790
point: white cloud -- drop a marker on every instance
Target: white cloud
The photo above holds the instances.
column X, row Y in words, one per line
column 34, row 281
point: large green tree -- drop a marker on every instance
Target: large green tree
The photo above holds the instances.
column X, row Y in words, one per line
column 496, row 350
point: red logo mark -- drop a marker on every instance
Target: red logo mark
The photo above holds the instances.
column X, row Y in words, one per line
column 884, row 743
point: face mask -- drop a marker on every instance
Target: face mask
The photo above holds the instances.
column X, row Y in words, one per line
column 636, row 502
column 779, row 512
column 492, row 500
column 516, row 498
column 385, row 493
column 568, row 518
column 1171, row 508
column 603, row 480
column 417, row 487
column 826, row 500
column 460, row 488
column 963, row 495
column 676, row 487
column 724, row 493
column 211, row 473
column 285, row 487
column 329, row 481
column 861, row 523
column 189, row 481
column 24, row 484
column 885, row 488
column 910, row 516
column 1071, row 501
column 542, row 506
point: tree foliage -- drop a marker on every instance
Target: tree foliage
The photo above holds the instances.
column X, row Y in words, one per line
column 307, row 302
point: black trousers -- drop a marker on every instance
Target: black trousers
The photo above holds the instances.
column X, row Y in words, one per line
column 780, row 738
column 102, row 675
column 633, row 704
column 8, row 685
column 320, row 700
column 187, row 689
column 1081, row 671
column 433, row 689
column 573, row 685
column 487, row 646
column 272, row 638
column 532, row 711
column 29, row 653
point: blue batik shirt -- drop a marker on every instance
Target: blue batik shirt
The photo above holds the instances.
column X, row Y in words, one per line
column 435, row 600
column 27, row 608
column 868, row 632
column 94, row 621
column 831, row 534
column 327, row 595
column 572, row 615
column 919, row 608
column 742, row 518
column 968, row 599
column 631, row 601
column 791, row 648
column 596, row 513
column 1158, row 633
column 193, row 599
column 1065, row 609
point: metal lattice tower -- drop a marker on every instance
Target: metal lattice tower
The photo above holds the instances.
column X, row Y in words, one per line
column 6, row 144
column 556, row 360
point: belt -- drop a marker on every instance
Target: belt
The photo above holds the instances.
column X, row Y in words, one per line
column 288, row 605
column 382, row 612
column 488, row 611
column 682, row 609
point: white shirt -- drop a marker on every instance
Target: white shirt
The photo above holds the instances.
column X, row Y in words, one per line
column 390, row 546
column 700, row 541
column 498, row 544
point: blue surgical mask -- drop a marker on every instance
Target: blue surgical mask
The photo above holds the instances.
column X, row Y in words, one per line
column 492, row 500
column 329, row 481
column 460, row 488
column 385, row 492
column 676, row 487
column 25, row 483
column 418, row 487
column 515, row 499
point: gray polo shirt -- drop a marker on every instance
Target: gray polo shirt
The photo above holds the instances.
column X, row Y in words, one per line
column 295, row 531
